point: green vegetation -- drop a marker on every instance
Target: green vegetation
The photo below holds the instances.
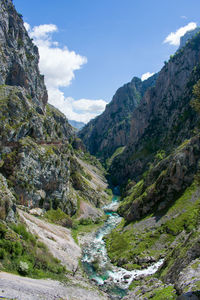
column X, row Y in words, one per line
column 167, row 293
column 110, row 159
column 195, row 103
column 58, row 217
column 125, row 244
column 152, row 288
column 21, row 253
column 133, row 194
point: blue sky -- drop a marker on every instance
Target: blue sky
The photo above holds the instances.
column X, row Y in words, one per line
column 111, row 40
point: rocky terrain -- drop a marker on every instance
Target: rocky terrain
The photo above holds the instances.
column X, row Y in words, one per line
column 19, row 56
column 51, row 189
column 106, row 135
column 157, row 122
column 44, row 166
column 158, row 170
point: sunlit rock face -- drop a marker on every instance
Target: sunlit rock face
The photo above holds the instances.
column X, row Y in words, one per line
column 19, row 56
column 111, row 130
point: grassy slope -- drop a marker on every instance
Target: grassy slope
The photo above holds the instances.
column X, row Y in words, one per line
column 155, row 235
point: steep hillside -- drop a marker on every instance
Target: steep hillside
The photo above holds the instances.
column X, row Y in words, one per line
column 44, row 167
column 19, row 56
column 164, row 117
column 161, row 193
column 110, row 131
column 39, row 152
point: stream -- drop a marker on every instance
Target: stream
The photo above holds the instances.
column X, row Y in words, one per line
column 113, row 280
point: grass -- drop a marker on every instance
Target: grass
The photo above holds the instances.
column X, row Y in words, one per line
column 126, row 243
column 21, row 253
column 58, row 217
column 167, row 293
column 116, row 153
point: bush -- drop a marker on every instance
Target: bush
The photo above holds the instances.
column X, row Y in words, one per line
column 23, row 268
column 85, row 221
column 2, row 253
column 21, row 230
column 59, row 217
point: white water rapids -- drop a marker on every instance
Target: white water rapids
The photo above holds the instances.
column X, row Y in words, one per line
column 113, row 279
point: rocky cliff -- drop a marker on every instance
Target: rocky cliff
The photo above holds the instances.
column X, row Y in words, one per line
column 39, row 153
column 19, row 56
column 110, row 131
column 160, row 171
column 164, row 117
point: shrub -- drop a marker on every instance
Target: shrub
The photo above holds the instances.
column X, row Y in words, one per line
column 2, row 253
column 59, row 217
column 23, row 268
column 85, row 221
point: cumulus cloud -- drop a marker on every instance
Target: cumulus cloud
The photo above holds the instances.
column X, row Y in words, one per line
column 81, row 110
column 56, row 63
column 146, row 75
column 174, row 37
column 59, row 65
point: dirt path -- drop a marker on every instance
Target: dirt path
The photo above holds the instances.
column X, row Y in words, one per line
column 21, row 288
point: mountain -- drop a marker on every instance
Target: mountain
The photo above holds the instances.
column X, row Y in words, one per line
column 19, row 56
column 43, row 165
column 187, row 36
column 157, row 168
column 51, row 189
column 159, row 176
column 38, row 146
column 76, row 124
column 110, row 131
column 157, row 123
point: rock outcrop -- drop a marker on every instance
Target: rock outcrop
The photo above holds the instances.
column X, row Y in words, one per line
column 7, row 200
column 19, row 56
column 164, row 117
column 38, row 149
column 109, row 131
column 163, row 183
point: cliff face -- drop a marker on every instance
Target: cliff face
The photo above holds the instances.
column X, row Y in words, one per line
column 160, row 171
column 40, row 157
column 164, row 117
column 19, row 56
column 111, row 130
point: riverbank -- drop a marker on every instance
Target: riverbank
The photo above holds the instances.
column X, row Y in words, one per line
column 113, row 280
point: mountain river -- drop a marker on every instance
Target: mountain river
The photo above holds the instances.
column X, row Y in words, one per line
column 113, row 280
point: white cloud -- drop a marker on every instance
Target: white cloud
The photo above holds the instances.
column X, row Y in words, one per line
column 81, row 110
column 146, row 75
column 42, row 31
column 27, row 26
column 174, row 37
column 58, row 65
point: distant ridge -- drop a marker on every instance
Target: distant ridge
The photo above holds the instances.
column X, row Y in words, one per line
column 76, row 124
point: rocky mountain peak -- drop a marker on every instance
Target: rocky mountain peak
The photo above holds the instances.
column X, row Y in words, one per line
column 188, row 36
column 107, row 133
column 19, row 56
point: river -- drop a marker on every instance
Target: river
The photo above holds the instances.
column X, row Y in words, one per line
column 113, row 280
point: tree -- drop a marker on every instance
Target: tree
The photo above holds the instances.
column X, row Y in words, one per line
column 195, row 103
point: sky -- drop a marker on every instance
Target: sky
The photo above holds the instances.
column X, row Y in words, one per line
column 90, row 48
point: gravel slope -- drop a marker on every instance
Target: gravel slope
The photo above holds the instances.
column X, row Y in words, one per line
column 22, row 288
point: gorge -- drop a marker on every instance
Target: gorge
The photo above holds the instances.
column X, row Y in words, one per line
column 112, row 211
